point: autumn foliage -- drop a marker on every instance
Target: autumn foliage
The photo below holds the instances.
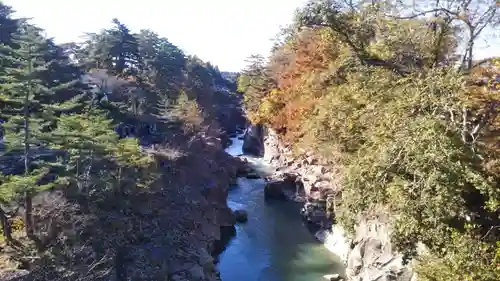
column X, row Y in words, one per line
column 410, row 132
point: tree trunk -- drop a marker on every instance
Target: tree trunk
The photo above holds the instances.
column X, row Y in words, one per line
column 120, row 264
column 28, row 203
column 119, row 189
column 467, row 58
column 28, row 216
column 7, row 230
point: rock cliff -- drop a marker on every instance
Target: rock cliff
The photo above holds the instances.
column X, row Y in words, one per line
column 253, row 140
column 368, row 254
column 171, row 231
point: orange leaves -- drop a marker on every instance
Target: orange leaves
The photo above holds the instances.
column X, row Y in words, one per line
column 482, row 97
column 312, row 50
column 483, row 85
column 292, row 115
column 295, row 68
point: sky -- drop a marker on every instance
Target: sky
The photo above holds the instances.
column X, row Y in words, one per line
column 224, row 32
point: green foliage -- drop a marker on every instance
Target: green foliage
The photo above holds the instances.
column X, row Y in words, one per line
column 185, row 111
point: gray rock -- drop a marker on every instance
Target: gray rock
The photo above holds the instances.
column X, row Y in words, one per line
column 197, row 273
column 315, row 212
column 355, row 261
column 322, row 184
column 253, row 141
column 246, row 171
column 252, row 175
column 274, row 190
column 371, row 257
column 332, row 277
column 205, row 259
column 241, row 216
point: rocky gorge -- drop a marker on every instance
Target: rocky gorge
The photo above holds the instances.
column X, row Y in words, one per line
column 368, row 254
column 187, row 223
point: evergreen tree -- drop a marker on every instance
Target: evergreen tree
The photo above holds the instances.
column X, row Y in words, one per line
column 37, row 85
column 23, row 90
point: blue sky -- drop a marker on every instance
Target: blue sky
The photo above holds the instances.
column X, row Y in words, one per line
column 224, row 32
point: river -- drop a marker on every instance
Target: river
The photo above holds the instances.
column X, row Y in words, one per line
column 274, row 245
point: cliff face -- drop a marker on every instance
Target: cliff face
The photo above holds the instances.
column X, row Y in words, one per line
column 253, row 141
column 207, row 218
column 171, row 231
column 368, row 254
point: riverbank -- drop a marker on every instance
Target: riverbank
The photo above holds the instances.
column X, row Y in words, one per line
column 171, row 231
column 368, row 255
column 275, row 244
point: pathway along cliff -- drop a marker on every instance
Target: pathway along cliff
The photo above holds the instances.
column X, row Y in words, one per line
column 274, row 245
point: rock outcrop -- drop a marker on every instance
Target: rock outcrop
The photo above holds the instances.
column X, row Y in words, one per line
column 240, row 216
column 369, row 255
column 373, row 257
column 282, row 186
column 253, row 140
column 273, row 190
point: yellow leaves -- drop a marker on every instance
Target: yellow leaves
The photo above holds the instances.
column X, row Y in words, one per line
column 128, row 153
column 371, row 110
column 17, row 224
column 496, row 62
column 482, row 86
column 266, row 107
column 274, row 93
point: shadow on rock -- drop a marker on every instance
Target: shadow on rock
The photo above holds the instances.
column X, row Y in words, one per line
column 227, row 233
column 253, row 141
column 283, row 187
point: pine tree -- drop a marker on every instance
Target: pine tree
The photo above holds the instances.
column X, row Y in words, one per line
column 29, row 94
column 86, row 137
column 115, row 49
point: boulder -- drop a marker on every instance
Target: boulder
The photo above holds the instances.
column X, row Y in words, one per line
column 315, row 213
column 274, row 190
column 287, row 185
column 332, row 277
column 227, row 232
column 372, row 256
column 252, row 175
column 241, row 216
column 253, row 141
column 244, row 170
